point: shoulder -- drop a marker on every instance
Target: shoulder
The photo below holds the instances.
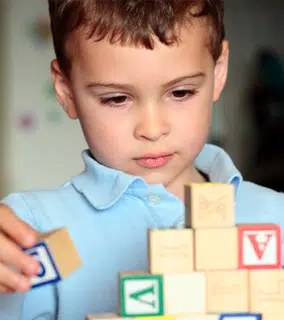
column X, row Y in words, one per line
column 43, row 208
column 252, row 193
column 258, row 204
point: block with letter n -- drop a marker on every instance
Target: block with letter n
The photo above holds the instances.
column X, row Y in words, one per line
column 141, row 295
column 57, row 257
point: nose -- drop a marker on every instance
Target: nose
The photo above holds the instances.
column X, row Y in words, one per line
column 153, row 124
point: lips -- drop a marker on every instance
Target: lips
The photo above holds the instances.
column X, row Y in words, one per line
column 154, row 160
column 154, row 156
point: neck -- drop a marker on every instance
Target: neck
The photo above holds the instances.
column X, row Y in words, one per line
column 176, row 187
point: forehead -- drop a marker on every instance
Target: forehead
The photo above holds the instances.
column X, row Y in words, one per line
column 191, row 52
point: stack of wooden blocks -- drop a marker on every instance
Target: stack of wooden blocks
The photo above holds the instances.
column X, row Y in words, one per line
column 210, row 269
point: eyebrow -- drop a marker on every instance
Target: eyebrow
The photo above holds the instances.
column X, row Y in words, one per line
column 131, row 87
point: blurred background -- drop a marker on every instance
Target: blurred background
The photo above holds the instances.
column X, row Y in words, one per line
column 41, row 148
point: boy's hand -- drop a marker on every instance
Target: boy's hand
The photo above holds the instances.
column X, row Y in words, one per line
column 15, row 235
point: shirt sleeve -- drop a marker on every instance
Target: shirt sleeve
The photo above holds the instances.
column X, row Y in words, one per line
column 11, row 306
column 38, row 303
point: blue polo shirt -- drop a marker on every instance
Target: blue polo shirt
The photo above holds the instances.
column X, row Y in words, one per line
column 107, row 213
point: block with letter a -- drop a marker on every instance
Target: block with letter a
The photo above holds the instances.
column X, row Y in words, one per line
column 260, row 246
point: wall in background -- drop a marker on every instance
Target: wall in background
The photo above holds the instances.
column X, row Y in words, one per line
column 3, row 109
column 251, row 25
column 43, row 146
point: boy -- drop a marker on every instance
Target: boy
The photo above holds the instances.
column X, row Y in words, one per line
column 142, row 85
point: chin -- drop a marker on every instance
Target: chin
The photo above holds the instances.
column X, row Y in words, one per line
column 153, row 178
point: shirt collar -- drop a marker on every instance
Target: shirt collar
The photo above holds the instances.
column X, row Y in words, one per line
column 103, row 186
column 219, row 167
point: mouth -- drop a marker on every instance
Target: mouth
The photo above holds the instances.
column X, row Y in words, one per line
column 154, row 160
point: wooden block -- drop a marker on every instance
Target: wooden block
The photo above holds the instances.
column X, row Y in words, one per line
column 148, row 295
column 57, row 256
column 103, row 316
column 267, row 293
column 267, row 317
column 141, row 295
column 260, row 246
column 199, row 317
column 216, row 249
column 156, row 318
column 170, row 251
column 240, row 316
column 227, row 291
column 209, row 205
column 185, row 293
column 114, row 316
column 227, row 316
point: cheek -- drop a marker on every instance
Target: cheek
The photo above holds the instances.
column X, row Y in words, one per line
column 196, row 118
column 192, row 128
column 104, row 132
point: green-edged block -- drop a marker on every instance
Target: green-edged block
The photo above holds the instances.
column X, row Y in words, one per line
column 141, row 295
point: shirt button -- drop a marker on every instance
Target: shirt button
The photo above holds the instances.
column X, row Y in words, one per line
column 154, row 199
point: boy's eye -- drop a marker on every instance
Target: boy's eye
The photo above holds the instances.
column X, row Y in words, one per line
column 117, row 100
column 120, row 100
column 181, row 94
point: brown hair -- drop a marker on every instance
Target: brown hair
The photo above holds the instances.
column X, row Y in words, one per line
column 131, row 21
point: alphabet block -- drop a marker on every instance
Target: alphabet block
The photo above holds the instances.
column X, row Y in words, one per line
column 186, row 317
column 240, row 316
column 114, row 316
column 48, row 272
column 156, row 318
column 170, row 251
column 148, row 295
column 267, row 293
column 199, row 317
column 141, row 295
column 260, row 246
column 103, row 316
column 209, row 205
column 57, row 256
column 216, row 249
column 224, row 316
column 227, row 291
column 185, row 294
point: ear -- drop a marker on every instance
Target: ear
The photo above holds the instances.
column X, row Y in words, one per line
column 62, row 90
column 221, row 71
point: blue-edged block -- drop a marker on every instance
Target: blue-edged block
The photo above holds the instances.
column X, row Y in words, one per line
column 57, row 255
column 49, row 272
column 240, row 316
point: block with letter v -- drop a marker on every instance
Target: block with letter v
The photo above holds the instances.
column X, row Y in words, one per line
column 260, row 246
column 147, row 295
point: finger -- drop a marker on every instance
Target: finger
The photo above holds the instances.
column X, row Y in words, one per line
column 13, row 280
column 12, row 255
column 16, row 229
column 4, row 289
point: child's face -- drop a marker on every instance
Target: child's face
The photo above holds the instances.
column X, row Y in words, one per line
column 135, row 102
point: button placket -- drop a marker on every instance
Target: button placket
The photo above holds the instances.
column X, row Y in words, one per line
column 153, row 199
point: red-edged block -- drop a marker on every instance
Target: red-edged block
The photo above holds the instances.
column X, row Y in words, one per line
column 260, row 246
